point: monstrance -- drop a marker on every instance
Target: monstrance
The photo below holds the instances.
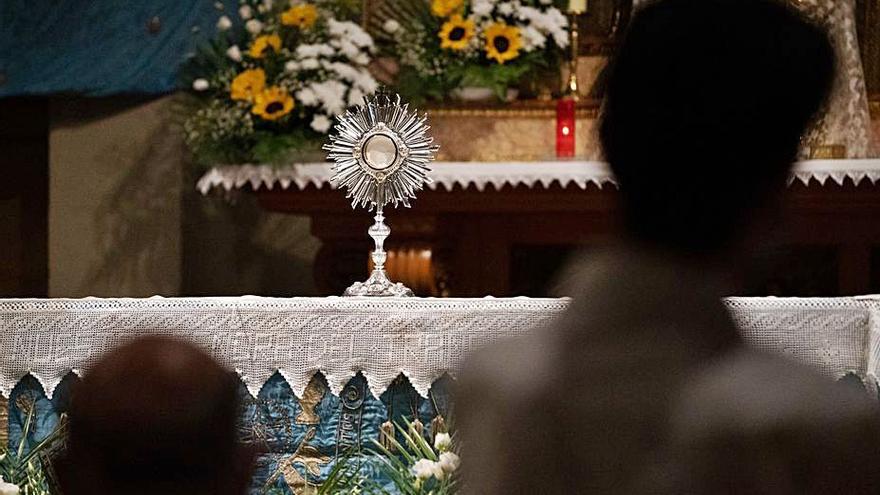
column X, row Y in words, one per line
column 381, row 152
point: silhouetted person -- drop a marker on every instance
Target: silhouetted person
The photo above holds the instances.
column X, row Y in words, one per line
column 155, row 416
column 644, row 385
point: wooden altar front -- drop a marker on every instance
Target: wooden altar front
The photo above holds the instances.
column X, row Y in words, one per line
column 512, row 240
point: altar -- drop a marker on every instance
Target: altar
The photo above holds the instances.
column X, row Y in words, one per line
column 304, row 363
column 504, row 228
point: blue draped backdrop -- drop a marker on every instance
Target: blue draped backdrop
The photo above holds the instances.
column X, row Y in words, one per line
column 100, row 47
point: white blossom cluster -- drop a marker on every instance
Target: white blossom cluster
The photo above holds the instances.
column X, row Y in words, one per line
column 333, row 76
column 447, row 462
column 218, row 122
column 412, row 52
column 536, row 22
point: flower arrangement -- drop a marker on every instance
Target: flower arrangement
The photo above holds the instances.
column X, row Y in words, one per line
column 414, row 466
column 444, row 45
column 274, row 78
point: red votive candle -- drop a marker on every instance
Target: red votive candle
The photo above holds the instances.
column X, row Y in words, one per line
column 565, row 125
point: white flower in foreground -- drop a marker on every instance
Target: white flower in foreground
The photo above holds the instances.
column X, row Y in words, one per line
column 310, row 64
column 391, row 26
column 291, row 66
column 424, row 469
column 321, row 123
column 234, row 53
column 442, row 442
column 245, row 12
column 449, row 462
column 224, row 23
column 200, row 84
column 253, row 26
column 8, row 488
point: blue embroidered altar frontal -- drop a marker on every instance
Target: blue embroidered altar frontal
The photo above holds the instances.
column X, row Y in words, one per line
column 300, row 439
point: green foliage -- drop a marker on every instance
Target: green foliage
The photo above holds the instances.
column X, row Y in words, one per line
column 23, row 467
column 400, row 467
column 499, row 78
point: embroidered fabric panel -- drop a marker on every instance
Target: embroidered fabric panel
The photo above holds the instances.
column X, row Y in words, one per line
column 298, row 437
column 423, row 339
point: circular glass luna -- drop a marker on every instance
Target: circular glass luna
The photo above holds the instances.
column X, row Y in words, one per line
column 380, row 152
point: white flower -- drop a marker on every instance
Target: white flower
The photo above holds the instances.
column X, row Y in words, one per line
column 449, row 462
column 366, row 82
column 310, row 64
column 321, row 123
column 355, row 97
column 223, row 23
column 234, row 53
column 362, row 59
column 268, row 4
column 442, row 442
column 313, row 51
column 505, row 8
column 330, row 94
column 425, row 468
column 546, row 2
column 344, row 71
column 253, row 26
column 532, row 38
column 291, row 66
column 245, row 12
column 200, row 84
column 350, row 31
column 482, row 8
column 307, row 97
column 391, row 26
column 8, row 488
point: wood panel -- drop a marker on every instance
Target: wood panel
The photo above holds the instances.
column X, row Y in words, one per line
column 483, row 241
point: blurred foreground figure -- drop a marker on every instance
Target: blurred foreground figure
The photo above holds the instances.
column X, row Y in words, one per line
column 645, row 386
column 155, row 416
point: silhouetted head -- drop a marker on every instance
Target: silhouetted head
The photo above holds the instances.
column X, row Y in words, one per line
column 705, row 107
column 153, row 416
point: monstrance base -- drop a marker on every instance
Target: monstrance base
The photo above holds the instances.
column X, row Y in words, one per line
column 378, row 285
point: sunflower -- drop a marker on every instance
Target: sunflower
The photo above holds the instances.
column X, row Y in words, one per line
column 502, row 42
column 247, row 84
column 259, row 46
column 456, row 33
column 302, row 16
column 272, row 103
column 442, row 8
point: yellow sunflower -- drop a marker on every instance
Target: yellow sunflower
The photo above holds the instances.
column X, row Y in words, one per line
column 259, row 46
column 272, row 103
column 247, row 84
column 456, row 33
column 503, row 42
column 442, row 8
column 302, row 16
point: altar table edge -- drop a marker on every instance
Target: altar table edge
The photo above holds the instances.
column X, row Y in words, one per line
column 381, row 338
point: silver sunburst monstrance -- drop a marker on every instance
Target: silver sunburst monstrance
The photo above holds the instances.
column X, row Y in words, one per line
column 381, row 153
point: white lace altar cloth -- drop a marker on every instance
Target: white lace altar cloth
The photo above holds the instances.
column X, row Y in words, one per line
column 500, row 174
column 381, row 338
